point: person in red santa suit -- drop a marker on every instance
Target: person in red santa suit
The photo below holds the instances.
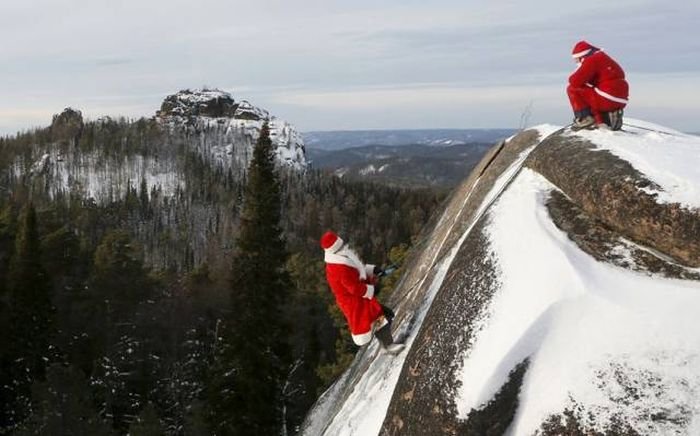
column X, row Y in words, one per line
column 355, row 285
column 597, row 89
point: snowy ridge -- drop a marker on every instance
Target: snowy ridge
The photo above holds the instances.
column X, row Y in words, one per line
column 365, row 408
column 92, row 175
column 609, row 343
column 556, row 303
column 223, row 141
column 669, row 158
column 227, row 138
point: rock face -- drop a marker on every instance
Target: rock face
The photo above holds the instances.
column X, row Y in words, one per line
column 209, row 122
column 196, row 132
column 609, row 188
column 554, row 295
column 195, row 103
column 226, row 130
column 68, row 125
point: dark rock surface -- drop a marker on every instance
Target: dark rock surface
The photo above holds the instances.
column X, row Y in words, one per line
column 600, row 241
column 68, row 125
column 608, row 188
column 597, row 202
column 423, row 397
column 192, row 103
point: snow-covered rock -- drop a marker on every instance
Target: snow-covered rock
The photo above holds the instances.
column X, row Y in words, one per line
column 209, row 122
column 556, row 294
column 225, row 131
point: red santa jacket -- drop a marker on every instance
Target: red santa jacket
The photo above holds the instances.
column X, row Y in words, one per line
column 354, row 295
column 605, row 76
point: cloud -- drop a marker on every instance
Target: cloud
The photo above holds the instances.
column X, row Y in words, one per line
column 298, row 57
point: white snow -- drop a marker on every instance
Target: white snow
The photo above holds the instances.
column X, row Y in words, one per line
column 369, row 169
column 545, row 130
column 245, row 108
column 96, row 176
column 669, row 158
column 589, row 328
column 603, row 340
column 364, row 411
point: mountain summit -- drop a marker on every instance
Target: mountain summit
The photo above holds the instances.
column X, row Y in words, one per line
column 557, row 293
column 228, row 127
column 169, row 160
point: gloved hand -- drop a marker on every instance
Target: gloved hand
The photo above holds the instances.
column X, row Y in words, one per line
column 377, row 271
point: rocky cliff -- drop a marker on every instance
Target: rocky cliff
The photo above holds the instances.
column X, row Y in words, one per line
column 210, row 123
column 555, row 294
column 184, row 166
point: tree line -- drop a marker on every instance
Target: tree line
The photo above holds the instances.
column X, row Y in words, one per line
column 105, row 338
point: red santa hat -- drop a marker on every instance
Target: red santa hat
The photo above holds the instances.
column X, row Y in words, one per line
column 581, row 49
column 331, row 242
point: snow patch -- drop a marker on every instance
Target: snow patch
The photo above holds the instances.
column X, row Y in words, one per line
column 668, row 158
column 369, row 169
column 593, row 332
column 364, row 410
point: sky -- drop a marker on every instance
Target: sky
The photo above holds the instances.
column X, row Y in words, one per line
column 344, row 65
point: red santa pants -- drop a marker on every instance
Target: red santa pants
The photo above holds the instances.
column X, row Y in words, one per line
column 583, row 99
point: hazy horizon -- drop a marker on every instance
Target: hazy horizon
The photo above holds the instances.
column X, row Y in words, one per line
column 329, row 66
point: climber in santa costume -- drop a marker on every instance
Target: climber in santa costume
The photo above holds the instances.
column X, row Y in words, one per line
column 597, row 89
column 354, row 285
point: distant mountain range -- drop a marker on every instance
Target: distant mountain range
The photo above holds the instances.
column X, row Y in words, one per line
column 337, row 140
column 402, row 165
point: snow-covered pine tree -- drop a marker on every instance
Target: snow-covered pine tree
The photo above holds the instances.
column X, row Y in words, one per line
column 245, row 388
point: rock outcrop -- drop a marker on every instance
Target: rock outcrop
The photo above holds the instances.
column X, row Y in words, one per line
column 226, row 130
column 613, row 191
column 67, row 126
column 553, row 295
column 199, row 103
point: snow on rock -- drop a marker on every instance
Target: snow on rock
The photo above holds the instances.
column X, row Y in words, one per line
column 227, row 130
column 369, row 169
column 208, row 121
column 592, row 331
column 508, row 275
column 92, row 175
column 669, row 158
column 246, row 111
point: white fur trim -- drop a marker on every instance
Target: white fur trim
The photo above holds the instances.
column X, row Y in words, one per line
column 370, row 292
column 581, row 53
column 369, row 270
column 336, row 246
column 364, row 338
column 610, row 97
column 342, row 259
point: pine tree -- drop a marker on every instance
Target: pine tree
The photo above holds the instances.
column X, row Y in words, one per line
column 7, row 395
column 121, row 329
column 148, row 423
column 31, row 318
column 63, row 406
column 245, row 390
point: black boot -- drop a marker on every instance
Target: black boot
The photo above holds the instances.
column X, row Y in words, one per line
column 614, row 119
column 386, row 341
column 388, row 313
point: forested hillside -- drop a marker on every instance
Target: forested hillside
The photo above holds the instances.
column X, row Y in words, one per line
column 115, row 301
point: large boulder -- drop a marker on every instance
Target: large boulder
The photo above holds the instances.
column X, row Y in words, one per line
column 67, row 126
column 555, row 294
column 199, row 102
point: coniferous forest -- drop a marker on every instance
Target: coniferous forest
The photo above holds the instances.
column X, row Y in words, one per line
column 201, row 312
